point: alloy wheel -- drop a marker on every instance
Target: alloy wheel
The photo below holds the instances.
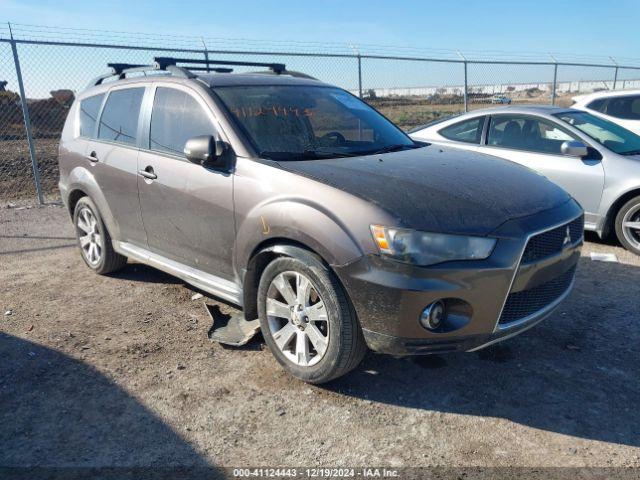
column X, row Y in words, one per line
column 631, row 226
column 297, row 318
column 89, row 236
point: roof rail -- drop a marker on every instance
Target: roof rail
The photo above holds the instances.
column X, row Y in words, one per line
column 164, row 62
column 170, row 65
column 120, row 70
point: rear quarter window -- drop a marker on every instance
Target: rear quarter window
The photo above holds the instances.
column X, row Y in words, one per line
column 598, row 105
column 89, row 110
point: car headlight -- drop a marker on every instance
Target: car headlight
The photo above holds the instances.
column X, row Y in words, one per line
column 425, row 248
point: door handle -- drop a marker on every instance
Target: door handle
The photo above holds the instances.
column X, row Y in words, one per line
column 148, row 173
column 92, row 157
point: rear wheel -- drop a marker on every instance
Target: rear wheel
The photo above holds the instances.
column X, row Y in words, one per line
column 306, row 319
column 628, row 225
column 94, row 239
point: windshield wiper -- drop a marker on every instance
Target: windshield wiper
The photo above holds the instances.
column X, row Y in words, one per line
column 391, row 148
column 305, row 155
column 631, row 152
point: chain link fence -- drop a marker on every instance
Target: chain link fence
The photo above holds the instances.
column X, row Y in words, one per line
column 409, row 90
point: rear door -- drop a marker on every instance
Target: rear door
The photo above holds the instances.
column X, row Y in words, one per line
column 113, row 156
column 535, row 142
column 187, row 209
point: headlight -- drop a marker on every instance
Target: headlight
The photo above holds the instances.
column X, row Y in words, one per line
column 424, row 248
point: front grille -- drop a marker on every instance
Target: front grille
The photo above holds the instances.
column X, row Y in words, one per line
column 526, row 302
column 551, row 243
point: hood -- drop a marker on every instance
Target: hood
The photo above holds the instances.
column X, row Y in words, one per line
column 439, row 189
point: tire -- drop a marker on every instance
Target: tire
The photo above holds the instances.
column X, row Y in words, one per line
column 344, row 345
column 90, row 228
column 629, row 237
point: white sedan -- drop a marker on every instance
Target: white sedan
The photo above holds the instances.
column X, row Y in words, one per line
column 621, row 107
column 595, row 160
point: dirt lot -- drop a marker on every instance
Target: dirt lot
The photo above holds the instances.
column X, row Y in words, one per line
column 118, row 371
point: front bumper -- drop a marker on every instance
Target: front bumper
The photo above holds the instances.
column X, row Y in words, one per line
column 389, row 296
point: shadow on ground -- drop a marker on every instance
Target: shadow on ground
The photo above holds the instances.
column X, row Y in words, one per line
column 139, row 272
column 610, row 240
column 575, row 374
column 61, row 418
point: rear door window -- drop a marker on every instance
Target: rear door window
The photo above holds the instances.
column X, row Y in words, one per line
column 626, row 108
column 467, row 131
column 176, row 117
column 527, row 133
column 89, row 110
column 119, row 120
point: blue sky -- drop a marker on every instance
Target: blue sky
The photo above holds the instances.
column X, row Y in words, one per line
column 587, row 31
column 572, row 26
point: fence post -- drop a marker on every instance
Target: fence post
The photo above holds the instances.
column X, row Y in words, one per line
column 206, row 53
column 466, row 88
column 615, row 73
column 27, row 120
column 466, row 83
column 359, row 75
column 555, row 83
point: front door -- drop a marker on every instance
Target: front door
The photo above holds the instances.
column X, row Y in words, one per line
column 535, row 142
column 187, row 209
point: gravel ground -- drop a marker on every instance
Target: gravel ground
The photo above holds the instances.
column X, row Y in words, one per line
column 118, row 371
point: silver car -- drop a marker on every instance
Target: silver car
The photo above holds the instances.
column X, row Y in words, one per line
column 595, row 160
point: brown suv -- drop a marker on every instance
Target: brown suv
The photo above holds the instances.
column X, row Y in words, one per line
column 301, row 204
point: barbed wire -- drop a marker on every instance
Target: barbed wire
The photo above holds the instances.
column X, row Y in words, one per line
column 48, row 33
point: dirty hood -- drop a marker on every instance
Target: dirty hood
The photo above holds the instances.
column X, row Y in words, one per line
column 439, row 189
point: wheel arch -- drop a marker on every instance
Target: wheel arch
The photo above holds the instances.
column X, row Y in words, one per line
column 612, row 213
column 264, row 254
column 73, row 197
column 260, row 257
column 83, row 183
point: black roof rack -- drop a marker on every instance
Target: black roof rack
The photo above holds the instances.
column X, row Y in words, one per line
column 187, row 65
column 165, row 62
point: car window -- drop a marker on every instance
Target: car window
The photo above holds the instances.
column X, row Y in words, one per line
column 599, row 105
column 521, row 132
column 606, row 133
column 468, row 131
column 627, row 107
column 119, row 119
column 89, row 110
column 331, row 117
column 293, row 122
column 176, row 117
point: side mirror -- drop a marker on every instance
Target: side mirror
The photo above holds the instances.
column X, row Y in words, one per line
column 205, row 150
column 574, row 148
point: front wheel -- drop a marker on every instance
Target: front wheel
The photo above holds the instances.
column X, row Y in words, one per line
column 306, row 319
column 628, row 225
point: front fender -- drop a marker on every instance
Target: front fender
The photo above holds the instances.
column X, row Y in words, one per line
column 300, row 221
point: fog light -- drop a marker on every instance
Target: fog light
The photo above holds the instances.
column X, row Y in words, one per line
column 433, row 315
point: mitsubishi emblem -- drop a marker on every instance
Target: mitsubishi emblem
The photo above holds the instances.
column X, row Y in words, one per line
column 567, row 238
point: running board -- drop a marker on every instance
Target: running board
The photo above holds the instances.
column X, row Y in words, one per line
column 204, row 281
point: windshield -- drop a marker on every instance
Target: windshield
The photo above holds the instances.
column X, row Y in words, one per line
column 606, row 133
column 286, row 122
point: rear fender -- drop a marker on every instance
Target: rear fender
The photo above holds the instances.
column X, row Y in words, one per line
column 82, row 179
